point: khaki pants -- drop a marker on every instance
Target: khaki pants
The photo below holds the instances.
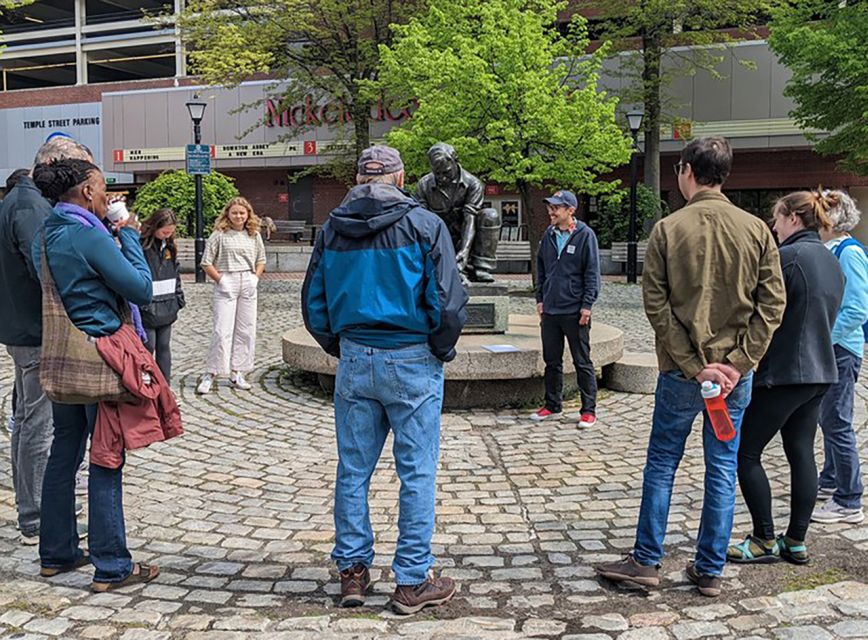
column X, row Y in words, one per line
column 233, row 341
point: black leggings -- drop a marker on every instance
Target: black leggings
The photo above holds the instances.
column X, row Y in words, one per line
column 792, row 410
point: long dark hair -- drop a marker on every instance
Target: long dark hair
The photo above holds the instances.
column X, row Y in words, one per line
column 159, row 219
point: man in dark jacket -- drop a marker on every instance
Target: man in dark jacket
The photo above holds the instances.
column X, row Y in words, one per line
column 568, row 283
column 22, row 214
column 383, row 294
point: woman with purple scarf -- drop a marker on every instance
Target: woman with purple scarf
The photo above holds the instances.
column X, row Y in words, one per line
column 95, row 278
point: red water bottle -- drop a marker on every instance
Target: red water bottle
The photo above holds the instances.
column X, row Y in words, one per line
column 715, row 405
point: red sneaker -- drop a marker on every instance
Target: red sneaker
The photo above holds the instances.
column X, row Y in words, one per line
column 587, row 420
column 542, row 414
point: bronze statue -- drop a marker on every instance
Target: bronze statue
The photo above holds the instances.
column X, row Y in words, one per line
column 456, row 196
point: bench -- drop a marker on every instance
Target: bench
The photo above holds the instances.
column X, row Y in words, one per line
column 619, row 252
column 292, row 228
column 513, row 256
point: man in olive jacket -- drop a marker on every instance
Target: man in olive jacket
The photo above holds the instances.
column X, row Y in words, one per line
column 714, row 294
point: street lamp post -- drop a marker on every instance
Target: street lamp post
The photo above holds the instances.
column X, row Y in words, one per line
column 196, row 107
column 634, row 121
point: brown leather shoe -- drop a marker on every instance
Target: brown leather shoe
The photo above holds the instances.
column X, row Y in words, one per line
column 354, row 585
column 411, row 598
column 628, row 570
column 709, row 586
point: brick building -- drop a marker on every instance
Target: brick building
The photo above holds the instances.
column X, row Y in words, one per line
column 96, row 70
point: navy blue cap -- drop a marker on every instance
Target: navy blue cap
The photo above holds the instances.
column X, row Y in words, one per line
column 563, row 198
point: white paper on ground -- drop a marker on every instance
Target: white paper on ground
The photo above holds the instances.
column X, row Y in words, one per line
column 164, row 287
column 500, row 348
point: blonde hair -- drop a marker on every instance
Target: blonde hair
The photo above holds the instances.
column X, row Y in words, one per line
column 812, row 207
column 253, row 223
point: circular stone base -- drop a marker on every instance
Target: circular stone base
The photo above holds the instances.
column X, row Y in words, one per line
column 633, row 373
column 478, row 377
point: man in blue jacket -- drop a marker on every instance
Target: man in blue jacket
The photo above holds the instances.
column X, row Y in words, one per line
column 22, row 214
column 568, row 283
column 383, row 294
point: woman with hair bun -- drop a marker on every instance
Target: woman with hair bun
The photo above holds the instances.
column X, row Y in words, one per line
column 791, row 380
column 94, row 278
column 841, row 480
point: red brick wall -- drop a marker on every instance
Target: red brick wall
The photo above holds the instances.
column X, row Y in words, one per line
column 263, row 188
column 83, row 93
column 327, row 194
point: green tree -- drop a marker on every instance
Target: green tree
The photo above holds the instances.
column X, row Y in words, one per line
column 611, row 220
column 824, row 45
column 7, row 6
column 656, row 29
column 176, row 190
column 518, row 101
column 324, row 49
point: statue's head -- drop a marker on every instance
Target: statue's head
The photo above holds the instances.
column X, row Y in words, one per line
column 444, row 163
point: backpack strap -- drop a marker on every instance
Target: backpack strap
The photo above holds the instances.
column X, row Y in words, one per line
column 847, row 242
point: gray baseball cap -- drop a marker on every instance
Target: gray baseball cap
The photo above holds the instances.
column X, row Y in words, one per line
column 379, row 160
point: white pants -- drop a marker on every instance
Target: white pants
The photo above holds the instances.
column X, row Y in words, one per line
column 233, row 342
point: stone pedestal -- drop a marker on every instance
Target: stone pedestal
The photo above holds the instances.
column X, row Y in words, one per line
column 488, row 308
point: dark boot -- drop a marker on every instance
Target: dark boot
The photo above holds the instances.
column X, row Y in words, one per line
column 354, row 585
column 411, row 598
column 628, row 570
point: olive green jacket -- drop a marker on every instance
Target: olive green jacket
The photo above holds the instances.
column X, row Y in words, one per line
column 712, row 286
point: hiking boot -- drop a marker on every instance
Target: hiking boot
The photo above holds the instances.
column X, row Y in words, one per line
column 587, row 420
column 205, row 384
column 709, row 586
column 355, row 582
column 628, row 570
column 237, row 379
column 410, row 598
column 832, row 512
column 542, row 414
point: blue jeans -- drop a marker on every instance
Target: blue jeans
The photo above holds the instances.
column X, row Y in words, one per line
column 677, row 403
column 377, row 390
column 58, row 538
column 841, row 470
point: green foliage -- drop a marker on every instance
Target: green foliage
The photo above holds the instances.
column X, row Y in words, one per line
column 518, row 101
column 612, row 219
column 176, row 190
column 824, row 45
column 322, row 48
column 7, row 6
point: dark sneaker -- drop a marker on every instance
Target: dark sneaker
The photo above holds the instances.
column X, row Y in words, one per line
column 354, row 585
column 709, row 586
column 628, row 570
column 411, row 598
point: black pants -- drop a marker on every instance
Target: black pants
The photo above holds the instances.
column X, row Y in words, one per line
column 793, row 410
column 554, row 330
column 159, row 341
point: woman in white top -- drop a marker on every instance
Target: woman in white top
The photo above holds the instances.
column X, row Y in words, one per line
column 234, row 259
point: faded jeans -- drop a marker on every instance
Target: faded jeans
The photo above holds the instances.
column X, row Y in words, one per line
column 378, row 390
column 676, row 404
column 31, row 438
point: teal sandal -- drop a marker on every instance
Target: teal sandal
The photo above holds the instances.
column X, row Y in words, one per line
column 744, row 554
column 793, row 553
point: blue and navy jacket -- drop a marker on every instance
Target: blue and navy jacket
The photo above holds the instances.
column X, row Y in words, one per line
column 569, row 282
column 383, row 274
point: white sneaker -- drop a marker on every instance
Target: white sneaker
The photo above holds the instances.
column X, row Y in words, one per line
column 832, row 512
column 205, row 384
column 824, row 494
column 237, row 378
column 30, row 541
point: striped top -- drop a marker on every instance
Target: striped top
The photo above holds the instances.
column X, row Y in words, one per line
column 231, row 250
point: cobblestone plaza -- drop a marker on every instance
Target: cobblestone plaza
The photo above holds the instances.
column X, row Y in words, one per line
column 237, row 512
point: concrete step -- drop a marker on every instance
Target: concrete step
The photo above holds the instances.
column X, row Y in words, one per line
column 633, row 373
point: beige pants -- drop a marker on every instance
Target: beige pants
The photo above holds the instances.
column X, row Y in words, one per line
column 233, row 342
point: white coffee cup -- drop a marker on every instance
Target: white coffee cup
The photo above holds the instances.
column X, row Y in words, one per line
column 117, row 212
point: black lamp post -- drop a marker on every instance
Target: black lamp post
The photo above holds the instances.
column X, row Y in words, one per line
column 196, row 107
column 634, row 121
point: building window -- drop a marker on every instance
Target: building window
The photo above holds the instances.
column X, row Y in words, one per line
column 757, row 201
column 37, row 72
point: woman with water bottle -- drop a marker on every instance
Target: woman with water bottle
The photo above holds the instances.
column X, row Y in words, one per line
column 791, row 380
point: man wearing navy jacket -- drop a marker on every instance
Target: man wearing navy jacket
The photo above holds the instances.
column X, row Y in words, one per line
column 568, row 283
column 383, row 294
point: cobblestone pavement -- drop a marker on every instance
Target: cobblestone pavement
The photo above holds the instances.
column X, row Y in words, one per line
column 237, row 512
